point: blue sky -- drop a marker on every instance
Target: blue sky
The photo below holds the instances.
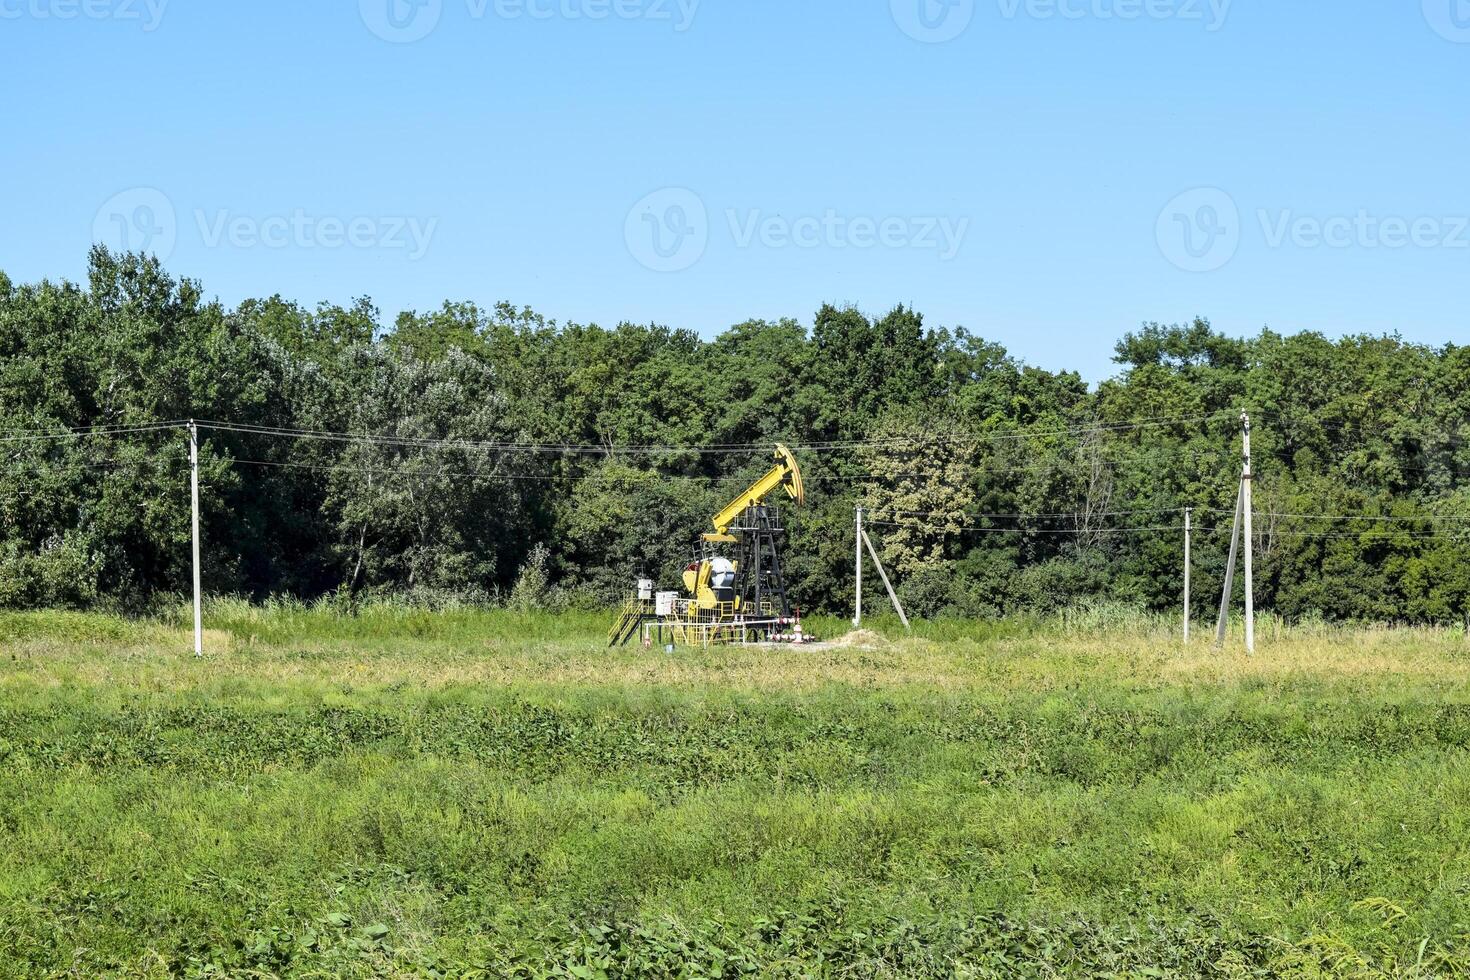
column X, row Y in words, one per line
column 1049, row 174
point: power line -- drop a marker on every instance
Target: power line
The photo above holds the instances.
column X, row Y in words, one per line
column 1029, row 530
column 571, row 448
column 1266, row 533
column 74, row 469
column 1098, row 427
column 532, row 478
column 1021, row 435
column 1428, row 518
column 1357, row 429
column 1027, row 517
column 410, row 442
column 1176, row 529
column 48, row 468
column 1443, row 535
column 75, row 429
column 73, row 434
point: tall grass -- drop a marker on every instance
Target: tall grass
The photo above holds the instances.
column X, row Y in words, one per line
column 287, row 621
column 486, row 793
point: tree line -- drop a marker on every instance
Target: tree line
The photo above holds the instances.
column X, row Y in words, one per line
column 992, row 486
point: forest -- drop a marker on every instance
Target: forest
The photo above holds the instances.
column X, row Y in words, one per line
column 467, row 455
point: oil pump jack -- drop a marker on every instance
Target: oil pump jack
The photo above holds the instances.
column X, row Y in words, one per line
column 735, row 585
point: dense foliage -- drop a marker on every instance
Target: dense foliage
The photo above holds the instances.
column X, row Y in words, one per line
column 934, row 429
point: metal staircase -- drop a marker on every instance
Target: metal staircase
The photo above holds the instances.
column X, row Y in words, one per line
column 630, row 617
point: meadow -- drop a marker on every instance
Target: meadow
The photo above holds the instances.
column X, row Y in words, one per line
column 488, row 794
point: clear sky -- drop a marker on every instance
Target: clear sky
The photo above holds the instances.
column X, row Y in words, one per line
column 1047, row 173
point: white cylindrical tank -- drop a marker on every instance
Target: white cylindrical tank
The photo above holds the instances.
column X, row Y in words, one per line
column 722, row 573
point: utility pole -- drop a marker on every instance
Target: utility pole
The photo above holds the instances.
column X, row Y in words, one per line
column 857, row 618
column 194, row 501
column 1229, row 589
column 1242, row 522
column 862, row 538
column 1250, row 547
column 883, row 574
column 1188, row 547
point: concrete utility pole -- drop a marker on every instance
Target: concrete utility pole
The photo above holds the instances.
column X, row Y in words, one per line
column 862, row 538
column 857, row 616
column 1250, row 546
column 194, row 501
column 883, row 574
column 1188, row 548
column 1243, row 521
column 1229, row 589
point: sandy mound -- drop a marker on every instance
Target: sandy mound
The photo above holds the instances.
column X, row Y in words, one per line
column 857, row 638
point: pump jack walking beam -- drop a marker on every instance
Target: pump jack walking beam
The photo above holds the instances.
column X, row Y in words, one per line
column 785, row 474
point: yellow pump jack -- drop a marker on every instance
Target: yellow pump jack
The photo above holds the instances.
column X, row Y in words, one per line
column 785, row 475
column 732, row 599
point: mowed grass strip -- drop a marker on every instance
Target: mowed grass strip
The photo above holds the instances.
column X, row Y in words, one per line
column 426, row 799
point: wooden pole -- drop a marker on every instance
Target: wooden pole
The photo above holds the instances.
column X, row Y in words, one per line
column 1250, row 575
column 1229, row 573
column 1188, row 542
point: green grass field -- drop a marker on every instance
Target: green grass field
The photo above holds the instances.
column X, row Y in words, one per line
column 486, row 795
